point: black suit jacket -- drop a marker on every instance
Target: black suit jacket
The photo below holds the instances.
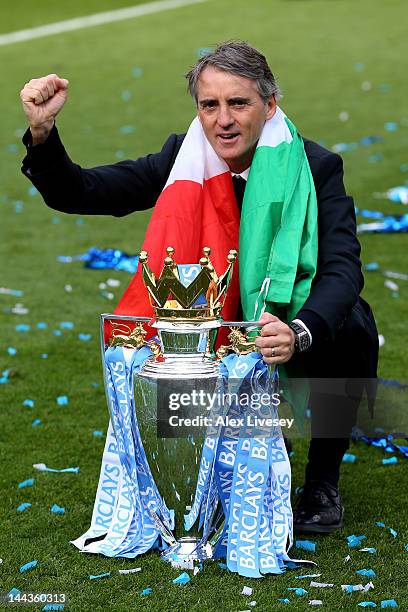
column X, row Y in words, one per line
column 345, row 340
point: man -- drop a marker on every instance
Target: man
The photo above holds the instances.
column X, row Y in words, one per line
column 332, row 335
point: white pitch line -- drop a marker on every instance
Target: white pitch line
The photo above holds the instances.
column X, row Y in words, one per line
column 89, row 21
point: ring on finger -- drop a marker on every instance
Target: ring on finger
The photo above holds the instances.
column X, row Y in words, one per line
column 273, row 352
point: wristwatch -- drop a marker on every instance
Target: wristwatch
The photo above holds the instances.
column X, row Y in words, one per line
column 302, row 338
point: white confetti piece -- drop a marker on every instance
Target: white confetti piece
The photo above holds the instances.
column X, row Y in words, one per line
column 246, row 591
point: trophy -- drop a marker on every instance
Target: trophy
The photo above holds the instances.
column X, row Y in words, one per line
column 187, row 300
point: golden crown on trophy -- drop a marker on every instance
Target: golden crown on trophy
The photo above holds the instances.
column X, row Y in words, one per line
column 176, row 298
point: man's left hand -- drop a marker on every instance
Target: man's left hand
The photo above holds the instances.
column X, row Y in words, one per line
column 277, row 340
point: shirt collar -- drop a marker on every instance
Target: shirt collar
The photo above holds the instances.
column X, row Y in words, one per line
column 243, row 174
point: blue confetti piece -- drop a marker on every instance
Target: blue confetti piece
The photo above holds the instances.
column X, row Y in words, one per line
column 389, row 603
column 97, row 433
column 306, row 545
column 95, row 385
column 23, row 327
column 62, row 400
column 384, row 87
column 390, row 461
column 292, row 565
column 393, row 532
column 98, row 576
column 12, row 148
column 14, row 591
column 285, row 600
column 366, row 572
column 84, row 337
column 354, row 541
column 359, row 67
column 3, row 380
column 376, row 157
column 137, row 72
column 67, row 325
column 44, row 355
column 26, row 483
column 202, row 51
column 41, row 325
column 391, row 126
column 36, row 422
column 380, row 524
column 349, row 458
column 145, row 592
column 56, row 509
column 119, row 154
column 32, row 191
column 182, row 579
column 57, row 332
column 29, row 403
column 406, row 547
column 126, row 95
column 404, row 168
column 28, row 566
column 23, row 507
column 299, row 592
column 127, row 129
column 56, row 220
column 12, row 351
column 53, row 606
column 18, row 207
column 367, row 604
column 224, row 566
column 369, row 550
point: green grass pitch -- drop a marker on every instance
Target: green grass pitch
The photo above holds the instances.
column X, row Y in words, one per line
column 322, row 51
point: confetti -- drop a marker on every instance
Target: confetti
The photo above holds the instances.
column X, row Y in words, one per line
column 315, row 602
column 367, row 604
column 389, row 603
column 366, row 572
column 26, row 483
column 390, row 461
column 137, row 72
column 29, row 403
column 66, row 325
column 97, row 433
column 84, row 337
column 42, row 325
column 145, row 592
column 285, row 601
column 23, row 327
column 53, row 606
column 41, row 467
column 246, row 591
column 28, row 566
column 354, row 541
column 44, row 355
column 127, row 129
column 56, row 509
column 182, row 579
column 12, row 351
column 298, row 592
column 36, row 422
column 349, row 458
column 62, row 400
column 308, row 576
column 344, row 116
column 224, row 565
column 57, row 332
column 320, row 585
column 369, row 550
column 99, row 576
column 391, row 126
column 23, row 507
column 306, row 545
column 393, row 532
column 134, row 570
column 126, row 95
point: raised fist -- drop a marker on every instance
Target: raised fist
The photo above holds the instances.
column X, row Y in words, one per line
column 42, row 100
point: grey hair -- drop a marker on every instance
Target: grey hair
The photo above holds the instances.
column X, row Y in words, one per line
column 237, row 57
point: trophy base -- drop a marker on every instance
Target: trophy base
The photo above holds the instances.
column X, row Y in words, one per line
column 181, row 367
column 186, row 551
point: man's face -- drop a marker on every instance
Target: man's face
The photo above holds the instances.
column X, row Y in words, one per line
column 232, row 114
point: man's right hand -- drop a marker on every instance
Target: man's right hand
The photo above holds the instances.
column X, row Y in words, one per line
column 42, row 100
